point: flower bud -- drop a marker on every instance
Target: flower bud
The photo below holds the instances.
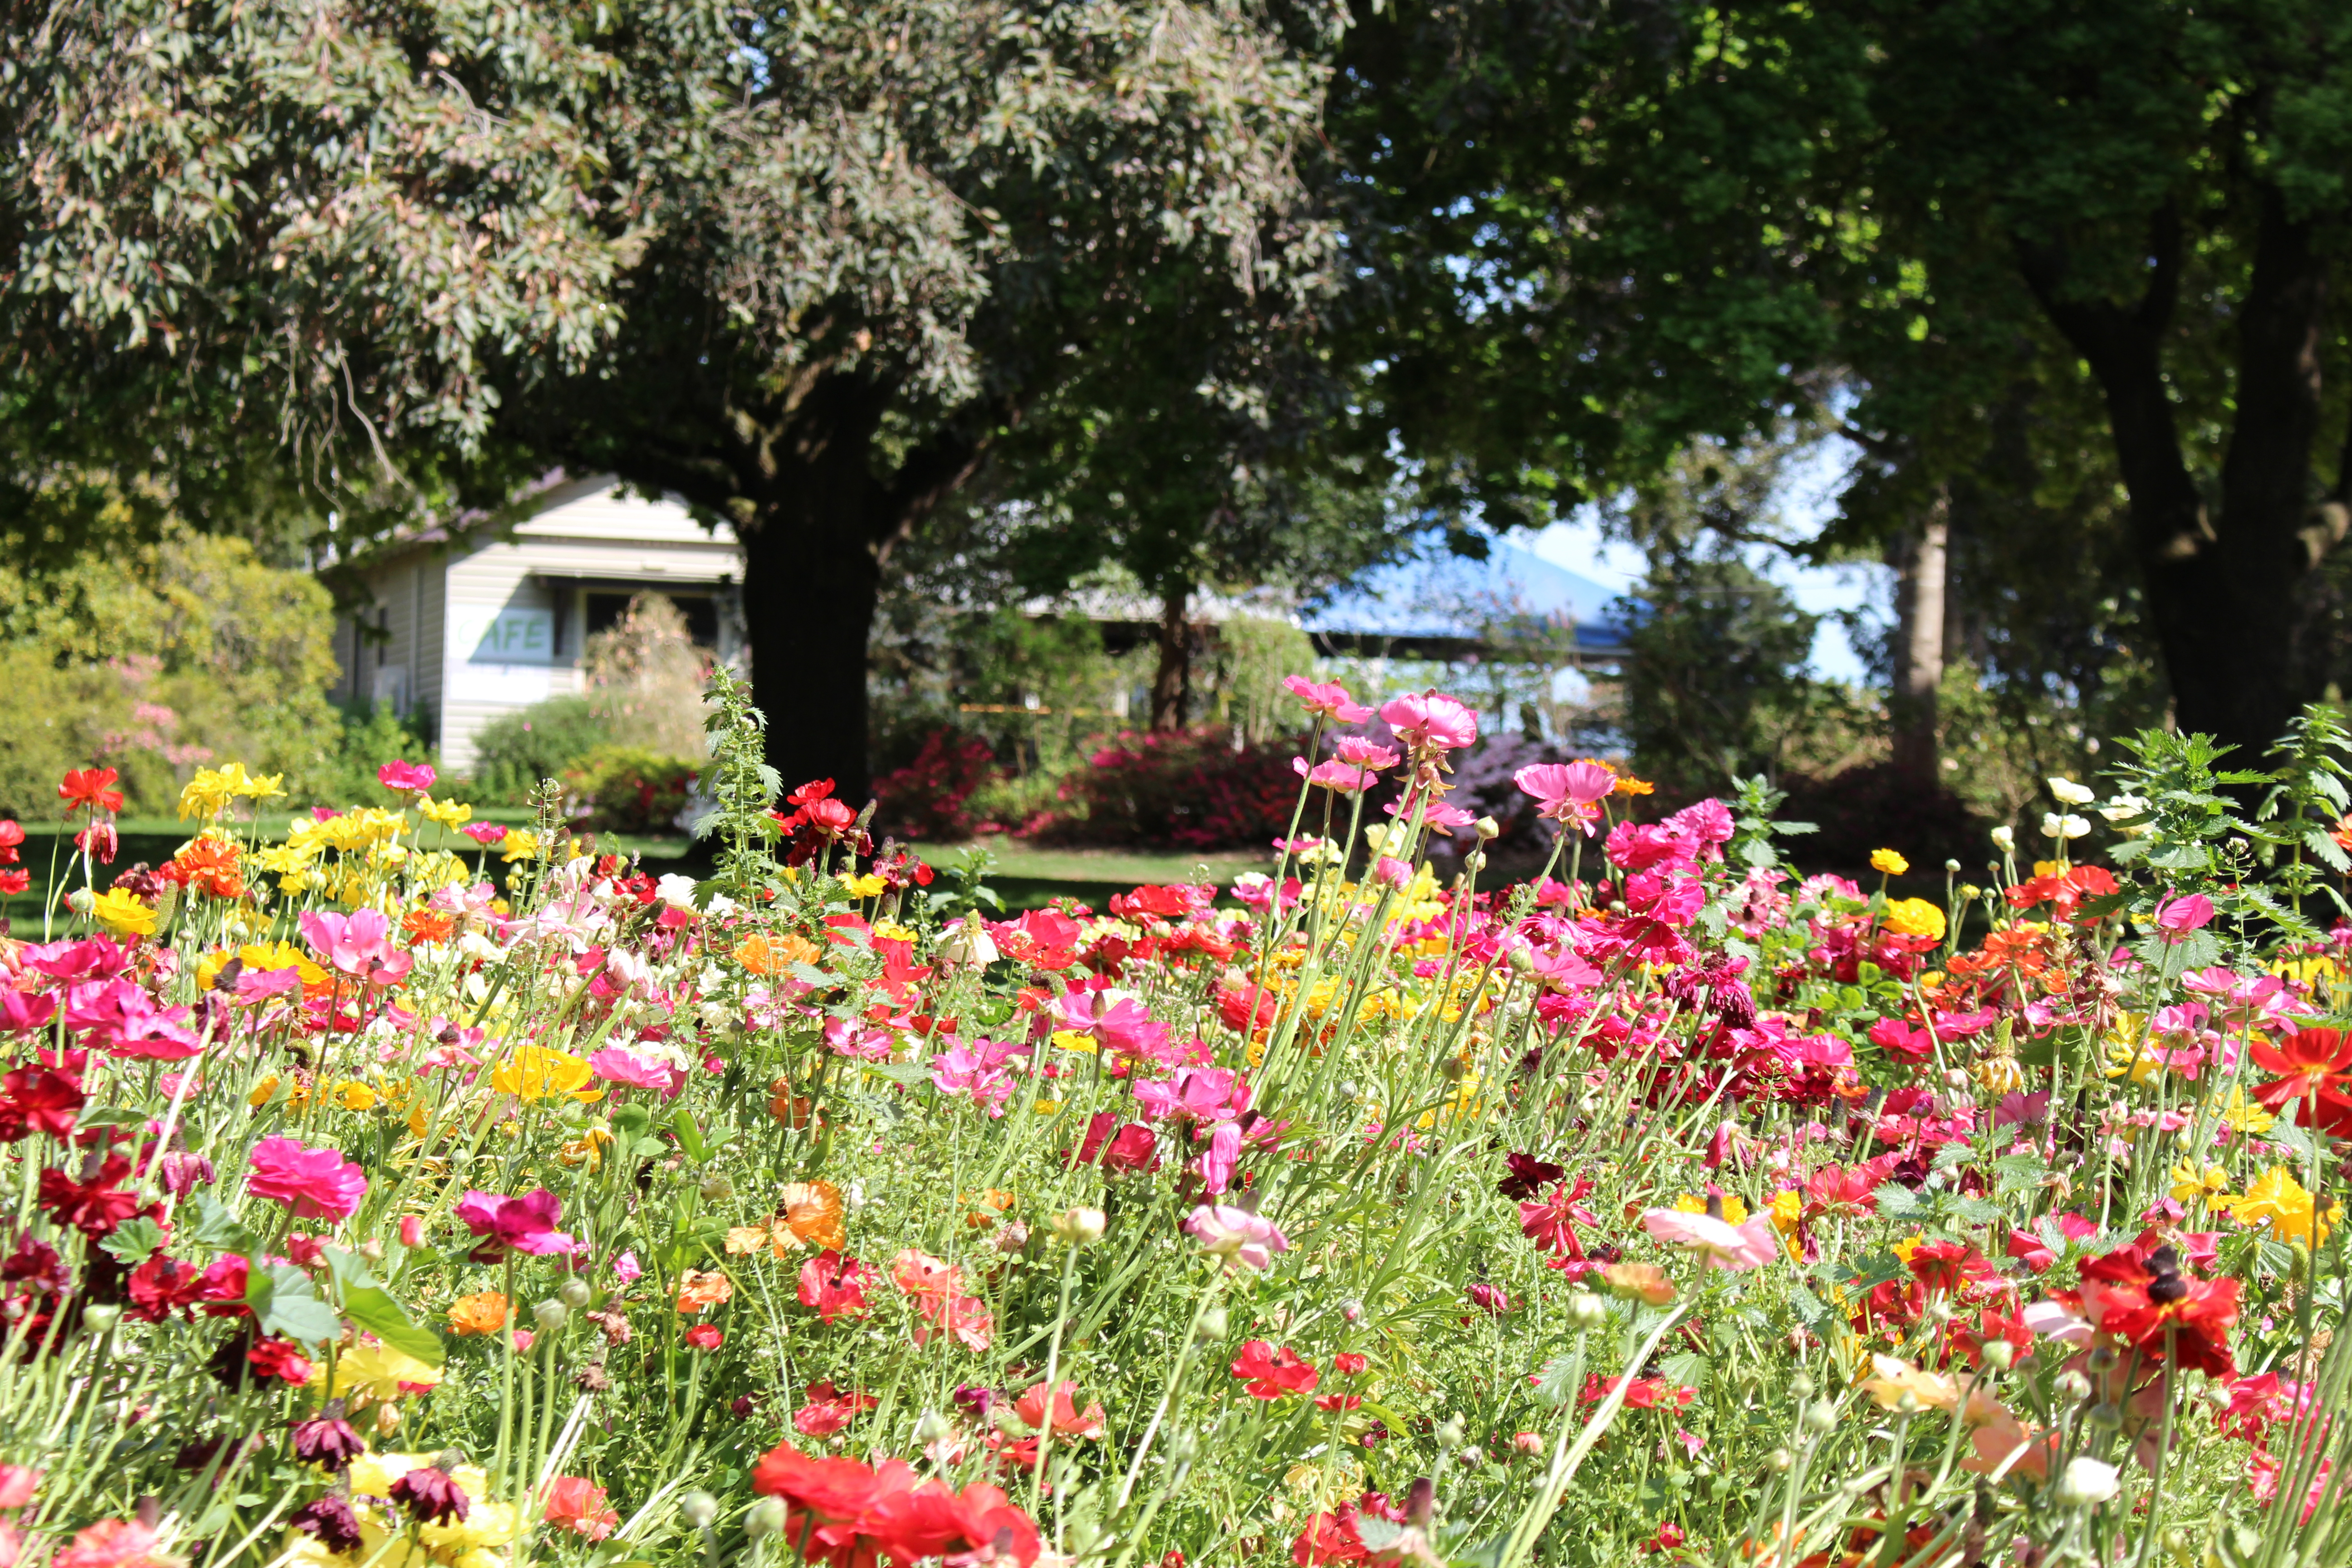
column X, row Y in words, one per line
column 1079, row 1226
column 1952, row 868
column 1999, row 1355
column 2086, row 1481
column 1527, row 1442
column 101, row 1317
column 1802, row 1385
column 1522, row 960
column 1470, row 1459
column 2073, row 1387
column 766, row 1517
column 698, row 1509
column 1779, row 1461
column 1353, row 1311
column 550, row 1315
column 1449, row 1432
column 1211, row 1326
column 1585, row 1312
column 371, row 1249
column 2107, row 1415
column 930, row 1426
column 1488, row 829
column 1820, row 1416
column 574, row 1293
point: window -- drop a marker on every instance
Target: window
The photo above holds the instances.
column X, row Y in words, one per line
column 605, row 607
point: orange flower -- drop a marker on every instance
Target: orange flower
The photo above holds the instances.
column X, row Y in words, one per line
column 792, row 1110
column 209, row 866
column 996, row 1199
column 484, row 1312
column 813, row 1211
column 762, row 954
column 698, row 1291
column 1628, row 784
column 427, row 925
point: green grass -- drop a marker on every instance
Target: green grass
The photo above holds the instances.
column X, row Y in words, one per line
column 1098, row 868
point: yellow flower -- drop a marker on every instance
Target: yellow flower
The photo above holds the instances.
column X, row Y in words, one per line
column 891, row 931
column 447, row 813
column 520, row 844
column 2243, row 1115
column 866, row 887
column 1734, row 1207
column 2188, row 1185
column 538, row 1073
column 1786, row 1209
column 209, row 791
column 2277, row 1202
column 353, row 1095
column 1914, row 917
column 1071, row 1040
column 122, row 914
column 375, row 1371
column 1888, row 861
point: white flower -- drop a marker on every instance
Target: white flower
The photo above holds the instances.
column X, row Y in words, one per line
column 676, row 891
column 2004, row 838
column 2123, row 807
column 2085, row 1481
column 2067, row 826
column 2069, row 793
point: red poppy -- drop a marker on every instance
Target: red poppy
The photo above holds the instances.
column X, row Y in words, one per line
column 94, row 1206
column 35, row 1099
column 2311, row 1064
column 92, row 788
column 12, row 834
column 2062, row 890
column 1269, row 1373
column 1551, row 1223
column 2144, row 1301
column 1641, row 1393
column 847, row 1514
column 836, row 1286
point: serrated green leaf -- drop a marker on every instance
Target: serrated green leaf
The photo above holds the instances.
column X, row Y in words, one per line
column 216, row 1227
column 134, row 1241
column 1894, row 1200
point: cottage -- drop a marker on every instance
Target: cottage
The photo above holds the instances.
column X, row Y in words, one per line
column 459, row 632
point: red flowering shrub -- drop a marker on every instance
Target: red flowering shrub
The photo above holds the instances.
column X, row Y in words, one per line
column 1186, row 789
column 929, row 797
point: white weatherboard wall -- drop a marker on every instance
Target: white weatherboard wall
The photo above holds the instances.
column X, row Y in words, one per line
column 483, row 632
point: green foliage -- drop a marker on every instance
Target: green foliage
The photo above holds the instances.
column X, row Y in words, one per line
column 629, row 789
column 154, row 658
column 1717, row 673
column 515, row 751
column 369, row 736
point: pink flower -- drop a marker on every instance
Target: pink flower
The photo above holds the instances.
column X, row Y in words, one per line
column 1431, row 722
column 414, row 778
column 1124, row 1026
column 2177, row 917
column 485, row 833
column 358, row 944
column 1737, row 1247
column 1196, row 1094
column 1365, row 753
column 114, row 1543
column 1222, row 1159
column 1328, row 698
column 1567, row 792
column 525, row 1224
column 1242, row 1238
column 316, row 1183
column 1338, row 777
column 614, row 1064
column 1392, row 871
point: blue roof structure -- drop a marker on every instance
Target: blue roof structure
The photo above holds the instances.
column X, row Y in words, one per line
column 1448, row 605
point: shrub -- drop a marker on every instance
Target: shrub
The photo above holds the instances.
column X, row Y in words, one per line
column 628, row 789
column 1880, row 806
column 1190, row 789
column 545, row 740
column 930, row 796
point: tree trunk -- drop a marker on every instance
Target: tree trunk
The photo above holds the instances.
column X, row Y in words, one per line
column 1920, row 569
column 2229, row 597
column 809, row 590
column 1172, row 682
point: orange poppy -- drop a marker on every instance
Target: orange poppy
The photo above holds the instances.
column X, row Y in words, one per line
column 764, row 954
column 698, row 1291
column 427, row 925
column 484, row 1312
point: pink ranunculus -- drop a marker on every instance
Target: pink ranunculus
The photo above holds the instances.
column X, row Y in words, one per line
column 1243, row 1239
column 486, row 833
column 1366, row 754
column 524, row 1224
column 315, row 1183
column 2177, row 917
column 616, row 1064
column 1392, row 871
column 1338, row 777
column 1327, row 697
column 413, row 778
column 1737, row 1247
column 358, row 944
column 1222, row 1159
column 1430, row 722
column 1567, row 792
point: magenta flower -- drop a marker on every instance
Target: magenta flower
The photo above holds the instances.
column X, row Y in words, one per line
column 413, row 778
column 525, row 1224
column 358, row 944
column 1338, row 777
column 1567, row 792
column 1123, row 1025
column 487, row 834
column 1366, row 754
column 1242, row 1238
column 1195, row 1094
column 1221, row 1160
column 1328, row 698
column 316, row 1183
column 2177, row 917
column 1430, row 722
column 614, row 1064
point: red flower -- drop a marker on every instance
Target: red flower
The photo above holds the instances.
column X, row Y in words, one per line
column 828, row 1411
column 92, row 788
column 1551, row 1223
column 280, row 1359
column 1271, row 1373
column 2310, row 1064
column 705, row 1337
column 836, row 1286
column 94, row 1206
column 35, row 1099
column 1349, row 1363
column 163, row 1285
column 847, row 1514
column 577, row 1504
column 2147, row 1303
column 1328, row 1537
column 12, row 836
column 1641, row 1393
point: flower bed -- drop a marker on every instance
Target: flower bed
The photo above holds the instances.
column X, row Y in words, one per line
column 1671, row 1205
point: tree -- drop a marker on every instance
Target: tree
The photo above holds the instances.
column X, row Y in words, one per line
column 798, row 264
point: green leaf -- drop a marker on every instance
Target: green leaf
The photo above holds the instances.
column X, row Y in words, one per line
column 689, row 1136
column 216, row 1227
column 111, row 1116
column 369, row 1305
column 134, row 1241
column 1686, row 1369
column 1894, row 1200
column 283, row 1302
